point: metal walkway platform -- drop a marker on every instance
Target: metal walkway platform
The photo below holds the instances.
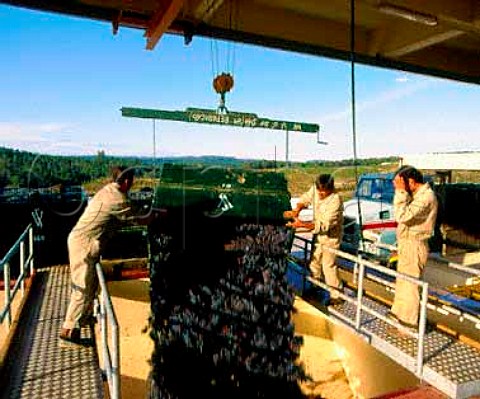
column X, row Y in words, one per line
column 451, row 366
column 41, row 366
column 442, row 360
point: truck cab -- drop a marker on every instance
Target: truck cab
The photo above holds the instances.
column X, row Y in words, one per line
column 368, row 217
column 373, row 197
column 375, row 222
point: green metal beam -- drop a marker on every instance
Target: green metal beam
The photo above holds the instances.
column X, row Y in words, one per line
column 213, row 117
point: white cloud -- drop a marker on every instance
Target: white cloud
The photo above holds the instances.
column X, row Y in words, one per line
column 12, row 131
column 383, row 98
column 402, row 79
column 41, row 137
column 31, row 131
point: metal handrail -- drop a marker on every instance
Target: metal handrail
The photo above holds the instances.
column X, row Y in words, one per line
column 361, row 306
column 436, row 257
column 111, row 353
column 393, row 248
column 308, row 244
column 26, row 264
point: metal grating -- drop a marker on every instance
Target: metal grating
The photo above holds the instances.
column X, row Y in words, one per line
column 42, row 366
column 450, row 365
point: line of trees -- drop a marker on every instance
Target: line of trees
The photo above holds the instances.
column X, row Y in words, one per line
column 27, row 169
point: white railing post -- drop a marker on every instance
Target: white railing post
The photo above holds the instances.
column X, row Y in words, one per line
column 361, row 273
column 111, row 355
column 355, row 269
column 24, row 260
column 104, row 330
column 31, row 250
column 116, row 362
column 6, row 278
column 22, row 267
column 421, row 328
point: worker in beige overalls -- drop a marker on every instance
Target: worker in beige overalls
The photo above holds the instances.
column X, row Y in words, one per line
column 415, row 208
column 327, row 229
column 105, row 212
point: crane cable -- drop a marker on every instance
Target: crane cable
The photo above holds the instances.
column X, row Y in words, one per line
column 231, row 19
column 156, row 182
column 223, row 75
column 353, row 103
column 233, row 25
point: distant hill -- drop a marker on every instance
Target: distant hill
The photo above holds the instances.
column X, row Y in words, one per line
column 204, row 160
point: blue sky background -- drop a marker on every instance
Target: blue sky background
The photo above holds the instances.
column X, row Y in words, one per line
column 64, row 80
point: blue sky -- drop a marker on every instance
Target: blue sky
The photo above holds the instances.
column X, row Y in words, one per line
column 64, row 80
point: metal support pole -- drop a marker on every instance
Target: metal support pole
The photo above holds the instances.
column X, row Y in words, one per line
column 286, row 147
column 104, row 332
column 305, row 253
column 116, row 362
column 30, row 242
column 22, row 267
column 6, row 277
column 355, row 269
column 111, row 357
column 361, row 273
column 318, row 139
column 421, row 328
column 305, row 264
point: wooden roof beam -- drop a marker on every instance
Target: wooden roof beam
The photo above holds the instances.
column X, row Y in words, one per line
column 450, row 14
column 281, row 24
column 453, row 9
column 397, row 50
column 161, row 21
column 453, row 20
column 446, row 59
column 206, row 9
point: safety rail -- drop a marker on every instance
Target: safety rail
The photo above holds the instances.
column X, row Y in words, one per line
column 436, row 257
column 361, row 306
column 307, row 242
column 110, row 349
column 361, row 266
column 26, row 260
column 306, row 247
column 442, row 308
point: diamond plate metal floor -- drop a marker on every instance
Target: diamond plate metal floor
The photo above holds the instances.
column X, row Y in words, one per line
column 40, row 365
column 451, row 366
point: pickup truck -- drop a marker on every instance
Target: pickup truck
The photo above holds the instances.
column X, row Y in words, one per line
column 374, row 198
column 369, row 219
